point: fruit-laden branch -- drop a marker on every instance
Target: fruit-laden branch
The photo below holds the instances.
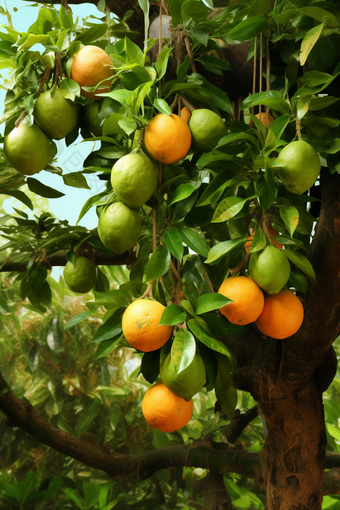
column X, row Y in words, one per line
column 304, row 351
column 202, row 453
column 59, row 259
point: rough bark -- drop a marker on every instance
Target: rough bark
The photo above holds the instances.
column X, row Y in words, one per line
column 214, row 493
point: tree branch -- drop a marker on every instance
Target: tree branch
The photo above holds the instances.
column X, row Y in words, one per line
column 331, row 482
column 59, row 259
column 216, row 457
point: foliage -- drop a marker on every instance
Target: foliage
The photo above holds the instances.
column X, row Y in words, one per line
column 206, row 206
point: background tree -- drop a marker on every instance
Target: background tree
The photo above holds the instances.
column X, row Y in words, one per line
column 194, row 231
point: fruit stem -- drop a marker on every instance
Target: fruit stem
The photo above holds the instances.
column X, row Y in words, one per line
column 58, row 72
column 43, row 80
column 148, row 292
column 173, row 104
column 21, row 118
column 206, row 276
column 298, row 128
column 241, row 265
column 264, row 227
column 186, row 103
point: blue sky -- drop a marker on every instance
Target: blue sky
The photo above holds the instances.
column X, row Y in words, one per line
column 70, row 159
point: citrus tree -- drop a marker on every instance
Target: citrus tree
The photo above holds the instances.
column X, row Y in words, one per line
column 218, row 144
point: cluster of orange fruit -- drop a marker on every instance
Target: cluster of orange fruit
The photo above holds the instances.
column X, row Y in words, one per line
column 278, row 316
column 162, row 409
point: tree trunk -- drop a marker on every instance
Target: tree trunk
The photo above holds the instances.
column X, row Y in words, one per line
column 293, row 459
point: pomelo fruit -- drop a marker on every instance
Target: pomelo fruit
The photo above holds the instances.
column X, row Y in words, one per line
column 80, row 276
column 134, row 179
column 119, row 227
column 188, row 382
column 301, row 166
column 54, row 114
column 206, row 128
column 270, row 269
column 28, row 149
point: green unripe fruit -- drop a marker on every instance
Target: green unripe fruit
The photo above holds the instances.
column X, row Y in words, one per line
column 80, row 276
column 206, row 129
column 119, row 227
column 301, row 166
column 188, row 382
column 270, row 269
column 54, row 114
column 134, row 179
column 28, row 149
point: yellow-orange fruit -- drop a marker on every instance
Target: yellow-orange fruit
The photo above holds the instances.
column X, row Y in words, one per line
column 248, row 300
column 90, row 66
column 167, row 138
column 141, row 325
column 164, row 410
column 263, row 119
column 282, row 315
column 185, row 114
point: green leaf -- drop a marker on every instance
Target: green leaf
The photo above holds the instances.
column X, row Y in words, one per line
column 20, row 195
column 290, row 216
column 271, row 98
column 162, row 106
column 221, row 249
column 182, row 192
column 162, row 62
column 69, row 88
column 228, row 208
column 77, row 319
column 159, row 263
column 111, row 328
column 33, row 358
column 172, row 315
column 133, row 53
column 248, row 29
column 43, row 190
column 297, row 279
column 301, row 262
column 206, row 339
column 150, row 366
column 183, row 350
column 225, row 390
column 76, row 180
column 259, row 241
column 107, row 346
column 208, row 302
column 309, row 41
column 267, row 191
column 173, row 242
column 194, row 241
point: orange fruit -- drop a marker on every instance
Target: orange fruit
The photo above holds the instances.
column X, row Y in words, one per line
column 248, row 300
column 185, row 114
column 271, row 231
column 263, row 119
column 282, row 315
column 167, row 138
column 140, row 325
column 90, row 66
column 164, row 410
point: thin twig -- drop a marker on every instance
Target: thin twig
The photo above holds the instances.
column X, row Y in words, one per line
column 206, row 276
column 187, row 45
column 21, row 118
column 160, row 41
column 174, row 103
column 260, row 71
column 267, row 84
column 254, row 72
column 190, row 107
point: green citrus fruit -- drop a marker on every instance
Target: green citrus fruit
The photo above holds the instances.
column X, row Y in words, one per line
column 54, row 114
column 119, row 227
column 92, row 118
column 28, row 149
column 80, row 276
column 134, row 179
column 206, row 128
column 270, row 269
column 188, row 382
column 301, row 166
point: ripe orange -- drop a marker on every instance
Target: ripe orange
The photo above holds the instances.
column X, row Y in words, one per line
column 263, row 119
column 248, row 300
column 282, row 315
column 185, row 114
column 271, row 231
column 167, row 138
column 163, row 410
column 90, row 66
column 140, row 325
